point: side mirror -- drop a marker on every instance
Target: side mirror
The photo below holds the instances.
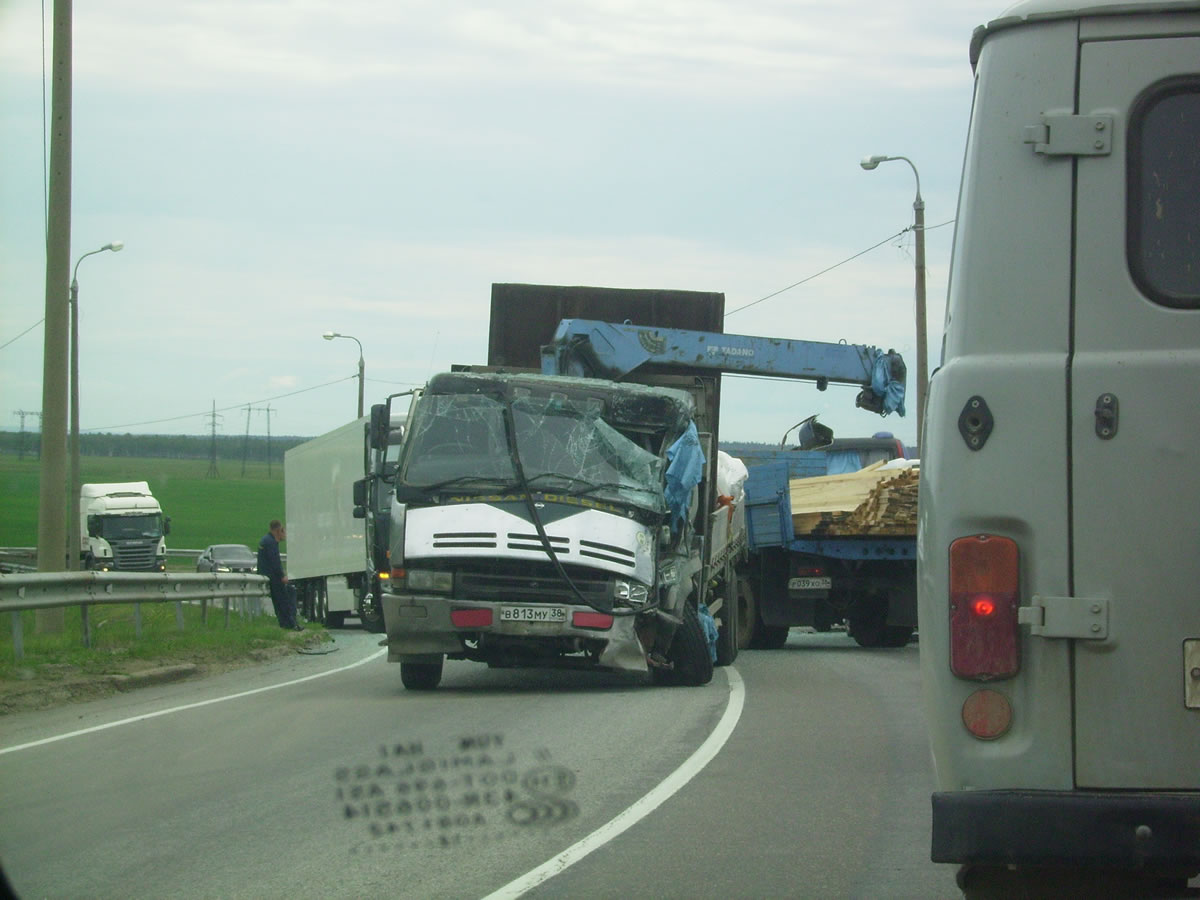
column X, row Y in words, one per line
column 360, row 498
column 810, row 435
column 377, row 433
column 93, row 526
column 166, row 525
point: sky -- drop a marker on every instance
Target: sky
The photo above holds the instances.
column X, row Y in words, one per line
column 278, row 169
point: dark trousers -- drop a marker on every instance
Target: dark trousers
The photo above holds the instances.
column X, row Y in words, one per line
column 283, row 598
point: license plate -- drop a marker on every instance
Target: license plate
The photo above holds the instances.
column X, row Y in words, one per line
column 810, row 584
column 533, row 614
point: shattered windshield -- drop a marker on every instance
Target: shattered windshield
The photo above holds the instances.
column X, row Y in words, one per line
column 565, row 447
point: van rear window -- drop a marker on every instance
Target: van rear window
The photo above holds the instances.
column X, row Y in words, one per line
column 1163, row 234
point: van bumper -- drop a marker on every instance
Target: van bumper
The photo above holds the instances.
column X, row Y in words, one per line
column 1125, row 830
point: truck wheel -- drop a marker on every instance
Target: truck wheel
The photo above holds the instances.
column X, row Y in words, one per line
column 421, row 676
column 727, row 629
column 897, row 635
column 688, row 653
column 822, row 617
column 747, row 612
column 868, row 621
column 371, row 618
column 772, row 637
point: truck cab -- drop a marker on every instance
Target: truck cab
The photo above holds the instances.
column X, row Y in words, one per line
column 1057, row 560
column 122, row 528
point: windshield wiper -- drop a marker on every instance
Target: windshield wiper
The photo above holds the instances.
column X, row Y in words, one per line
column 461, row 480
column 572, row 479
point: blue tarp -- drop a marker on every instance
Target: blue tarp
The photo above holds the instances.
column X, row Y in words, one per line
column 884, row 385
column 709, row 624
column 839, row 462
column 684, row 470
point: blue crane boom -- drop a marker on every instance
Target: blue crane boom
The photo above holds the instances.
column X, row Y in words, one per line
column 592, row 349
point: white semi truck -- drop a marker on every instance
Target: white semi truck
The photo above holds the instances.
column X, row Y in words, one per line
column 328, row 559
column 122, row 528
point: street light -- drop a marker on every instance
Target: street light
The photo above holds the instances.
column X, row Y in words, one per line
column 329, row 336
column 919, row 226
column 75, row 538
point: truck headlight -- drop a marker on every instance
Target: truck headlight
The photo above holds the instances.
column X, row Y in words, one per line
column 223, row 569
column 428, row 580
column 630, row 593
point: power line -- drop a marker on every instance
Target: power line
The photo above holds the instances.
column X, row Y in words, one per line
column 23, row 333
column 225, row 408
column 834, row 266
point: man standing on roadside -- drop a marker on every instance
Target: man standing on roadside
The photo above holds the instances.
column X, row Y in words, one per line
column 271, row 565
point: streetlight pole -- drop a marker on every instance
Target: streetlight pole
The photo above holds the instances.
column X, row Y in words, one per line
column 329, row 336
column 919, row 226
column 75, row 537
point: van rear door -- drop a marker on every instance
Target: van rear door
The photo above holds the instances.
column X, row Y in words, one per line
column 1135, row 409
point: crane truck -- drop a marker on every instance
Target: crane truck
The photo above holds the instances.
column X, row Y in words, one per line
column 568, row 518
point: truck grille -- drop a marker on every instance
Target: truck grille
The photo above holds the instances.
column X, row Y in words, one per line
column 134, row 556
column 530, row 542
column 530, row 588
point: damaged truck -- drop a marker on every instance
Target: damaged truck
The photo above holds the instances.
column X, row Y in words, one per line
column 570, row 517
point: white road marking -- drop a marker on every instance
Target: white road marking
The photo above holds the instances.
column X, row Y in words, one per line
column 175, row 709
column 644, row 806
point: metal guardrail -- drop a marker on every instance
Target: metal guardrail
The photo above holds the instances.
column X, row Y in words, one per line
column 53, row 590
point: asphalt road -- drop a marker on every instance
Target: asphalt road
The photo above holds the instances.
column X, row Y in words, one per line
column 255, row 784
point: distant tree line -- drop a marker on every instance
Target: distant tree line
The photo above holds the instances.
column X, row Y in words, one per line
column 254, row 448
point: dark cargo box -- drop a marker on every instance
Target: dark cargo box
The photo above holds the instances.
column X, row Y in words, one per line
column 525, row 316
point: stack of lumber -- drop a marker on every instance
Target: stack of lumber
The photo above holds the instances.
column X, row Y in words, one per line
column 872, row 501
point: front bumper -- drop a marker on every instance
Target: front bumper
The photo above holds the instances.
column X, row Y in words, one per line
column 1122, row 830
column 419, row 625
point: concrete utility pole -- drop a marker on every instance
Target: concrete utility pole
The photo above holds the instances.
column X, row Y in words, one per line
column 52, row 501
column 267, row 409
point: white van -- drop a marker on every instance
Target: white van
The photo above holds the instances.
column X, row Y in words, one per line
column 1059, row 540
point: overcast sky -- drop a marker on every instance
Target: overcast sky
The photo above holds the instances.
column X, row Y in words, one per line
column 281, row 169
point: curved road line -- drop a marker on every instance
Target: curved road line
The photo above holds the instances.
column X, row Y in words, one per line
column 175, row 709
column 642, row 807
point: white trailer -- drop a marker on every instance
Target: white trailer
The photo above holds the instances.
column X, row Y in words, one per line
column 122, row 528
column 326, row 545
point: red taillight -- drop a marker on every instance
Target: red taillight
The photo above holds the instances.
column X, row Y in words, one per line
column 471, row 618
column 984, row 579
column 983, row 607
column 591, row 620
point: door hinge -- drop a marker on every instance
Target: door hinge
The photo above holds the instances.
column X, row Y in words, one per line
column 1064, row 134
column 1066, row 617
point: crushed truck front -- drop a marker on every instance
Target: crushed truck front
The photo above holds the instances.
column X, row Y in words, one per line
column 531, row 525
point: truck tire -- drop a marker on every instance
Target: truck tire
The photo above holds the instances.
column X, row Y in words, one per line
column 689, row 654
column 371, row 618
column 868, row 621
column 747, row 614
column 771, row 637
column 897, row 635
column 421, row 676
column 727, row 628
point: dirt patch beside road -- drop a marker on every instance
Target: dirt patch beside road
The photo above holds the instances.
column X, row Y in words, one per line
column 55, row 684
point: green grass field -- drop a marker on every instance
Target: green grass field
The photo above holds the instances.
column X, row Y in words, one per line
column 231, row 509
